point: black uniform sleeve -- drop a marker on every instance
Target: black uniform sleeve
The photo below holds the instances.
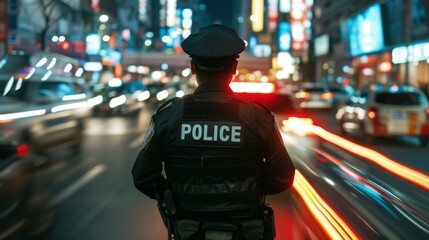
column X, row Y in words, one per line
column 279, row 170
column 147, row 169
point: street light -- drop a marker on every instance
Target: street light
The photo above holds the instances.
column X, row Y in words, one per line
column 104, row 18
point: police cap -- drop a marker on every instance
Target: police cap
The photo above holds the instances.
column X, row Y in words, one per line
column 214, row 45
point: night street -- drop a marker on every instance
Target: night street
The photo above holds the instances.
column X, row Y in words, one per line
column 318, row 109
column 95, row 197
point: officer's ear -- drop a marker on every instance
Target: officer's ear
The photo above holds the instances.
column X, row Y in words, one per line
column 193, row 71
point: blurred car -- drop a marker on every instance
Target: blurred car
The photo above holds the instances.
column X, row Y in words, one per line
column 160, row 92
column 381, row 110
column 24, row 197
column 314, row 96
column 119, row 98
column 268, row 95
column 341, row 94
column 42, row 110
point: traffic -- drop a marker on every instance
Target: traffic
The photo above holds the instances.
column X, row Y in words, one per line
column 339, row 159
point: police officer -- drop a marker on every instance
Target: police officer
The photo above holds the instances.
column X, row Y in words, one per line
column 221, row 153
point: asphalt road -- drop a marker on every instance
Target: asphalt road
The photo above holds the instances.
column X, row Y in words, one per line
column 95, row 198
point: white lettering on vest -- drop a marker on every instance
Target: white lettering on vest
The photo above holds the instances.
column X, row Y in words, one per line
column 186, row 129
column 235, row 134
column 222, row 130
column 215, row 127
column 197, row 132
column 211, row 132
column 206, row 138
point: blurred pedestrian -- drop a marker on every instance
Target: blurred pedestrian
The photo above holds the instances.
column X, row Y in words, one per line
column 221, row 153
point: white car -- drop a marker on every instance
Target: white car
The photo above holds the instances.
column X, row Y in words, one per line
column 314, row 96
column 380, row 110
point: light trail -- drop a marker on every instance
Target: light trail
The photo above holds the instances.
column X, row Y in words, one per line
column 418, row 178
column 387, row 195
column 332, row 223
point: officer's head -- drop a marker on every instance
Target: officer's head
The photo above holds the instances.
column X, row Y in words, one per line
column 214, row 51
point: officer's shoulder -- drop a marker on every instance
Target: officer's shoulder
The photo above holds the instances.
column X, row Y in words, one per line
column 257, row 105
column 167, row 104
column 263, row 108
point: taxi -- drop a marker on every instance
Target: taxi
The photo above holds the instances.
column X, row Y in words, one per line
column 386, row 110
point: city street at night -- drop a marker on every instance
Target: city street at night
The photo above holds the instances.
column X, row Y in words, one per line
column 94, row 197
column 214, row 119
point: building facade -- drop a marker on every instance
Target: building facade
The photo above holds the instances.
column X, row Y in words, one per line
column 359, row 42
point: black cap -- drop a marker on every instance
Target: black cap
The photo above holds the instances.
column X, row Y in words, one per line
column 213, row 45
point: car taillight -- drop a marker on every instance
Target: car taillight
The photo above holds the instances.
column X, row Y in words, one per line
column 22, row 150
column 379, row 127
column 427, row 111
column 303, row 95
column 372, row 113
column 326, row 96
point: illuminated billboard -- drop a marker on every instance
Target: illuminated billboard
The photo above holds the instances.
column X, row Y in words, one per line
column 284, row 36
column 321, row 45
column 300, row 23
column 365, row 31
column 285, row 6
column 257, row 16
column 273, row 13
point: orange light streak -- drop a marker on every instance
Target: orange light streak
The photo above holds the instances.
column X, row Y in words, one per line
column 407, row 173
column 288, row 126
column 331, row 222
column 297, row 125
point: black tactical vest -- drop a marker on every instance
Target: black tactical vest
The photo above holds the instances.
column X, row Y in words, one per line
column 213, row 160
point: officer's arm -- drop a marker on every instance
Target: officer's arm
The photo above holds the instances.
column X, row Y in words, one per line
column 279, row 169
column 147, row 169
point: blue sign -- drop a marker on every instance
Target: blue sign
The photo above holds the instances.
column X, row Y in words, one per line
column 366, row 31
column 253, row 41
column 284, row 36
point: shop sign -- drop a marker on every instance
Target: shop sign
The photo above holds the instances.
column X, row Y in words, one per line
column 284, row 36
column 93, row 44
column 321, row 45
column 412, row 53
column 262, row 50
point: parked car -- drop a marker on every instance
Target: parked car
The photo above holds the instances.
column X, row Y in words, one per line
column 25, row 212
column 314, row 96
column 380, row 110
column 41, row 109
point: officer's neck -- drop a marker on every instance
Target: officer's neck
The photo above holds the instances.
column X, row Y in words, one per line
column 221, row 81
column 212, row 87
